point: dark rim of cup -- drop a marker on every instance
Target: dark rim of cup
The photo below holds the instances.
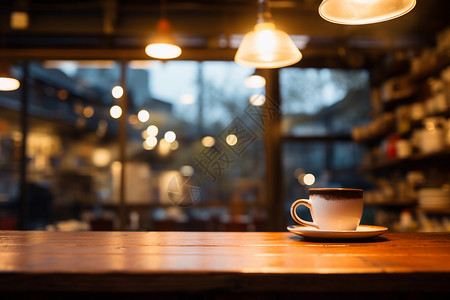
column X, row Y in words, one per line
column 340, row 193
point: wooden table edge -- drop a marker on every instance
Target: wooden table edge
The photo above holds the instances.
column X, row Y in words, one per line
column 232, row 282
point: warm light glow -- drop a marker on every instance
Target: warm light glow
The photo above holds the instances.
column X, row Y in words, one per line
column 144, row 134
column 187, row 99
column 255, row 82
column 208, row 141
column 19, row 20
column 358, row 12
column 309, row 179
column 101, row 157
column 163, row 51
column 187, row 171
column 116, row 166
column 146, row 146
column 144, row 64
column 231, row 139
column 151, row 141
column 62, row 94
column 174, row 145
column 133, row 119
column 257, row 99
column 163, row 45
column 88, row 111
column 267, row 47
column 265, row 39
column 143, row 115
column 117, row 91
column 164, row 147
column 152, row 130
column 170, row 136
column 115, row 111
column 9, row 84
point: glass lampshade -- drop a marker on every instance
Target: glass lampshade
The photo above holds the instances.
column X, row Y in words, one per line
column 163, row 45
column 358, row 12
column 9, row 84
column 266, row 47
column 7, row 81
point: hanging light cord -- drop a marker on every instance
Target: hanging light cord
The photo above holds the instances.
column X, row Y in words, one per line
column 163, row 9
column 264, row 14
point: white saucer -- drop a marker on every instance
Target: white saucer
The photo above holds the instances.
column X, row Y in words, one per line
column 363, row 231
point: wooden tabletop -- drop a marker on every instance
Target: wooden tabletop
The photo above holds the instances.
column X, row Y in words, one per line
column 211, row 261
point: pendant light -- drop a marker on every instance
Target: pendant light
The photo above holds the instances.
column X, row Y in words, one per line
column 7, row 81
column 358, row 12
column 266, row 47
column 163, row 45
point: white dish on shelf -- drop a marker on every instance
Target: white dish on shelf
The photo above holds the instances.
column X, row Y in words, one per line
column 363, row 231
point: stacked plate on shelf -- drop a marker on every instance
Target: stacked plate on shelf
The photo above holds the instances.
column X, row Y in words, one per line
column 434, row 198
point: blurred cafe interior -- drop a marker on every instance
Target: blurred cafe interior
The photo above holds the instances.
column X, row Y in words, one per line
column 100, row 131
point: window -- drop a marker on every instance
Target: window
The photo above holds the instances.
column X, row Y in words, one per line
column 319, row 107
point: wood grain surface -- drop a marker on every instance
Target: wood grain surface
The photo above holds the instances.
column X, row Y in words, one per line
column 214, row 261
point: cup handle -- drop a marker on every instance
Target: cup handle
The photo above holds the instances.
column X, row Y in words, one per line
column 296, row 218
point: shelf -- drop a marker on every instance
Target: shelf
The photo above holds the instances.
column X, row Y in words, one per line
column 443, row 60
column 390, row 164
column 434, row 211
column 398, row 205
column 414, row 124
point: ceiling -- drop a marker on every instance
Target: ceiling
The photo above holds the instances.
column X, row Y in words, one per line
column 206, row 29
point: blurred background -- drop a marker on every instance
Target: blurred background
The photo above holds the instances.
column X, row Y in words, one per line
column 99, row 136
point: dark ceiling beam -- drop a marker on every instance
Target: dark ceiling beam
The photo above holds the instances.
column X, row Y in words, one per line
column 110, row 54
column 312, row 57
column 212, row 24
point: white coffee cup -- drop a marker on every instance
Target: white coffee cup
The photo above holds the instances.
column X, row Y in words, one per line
column 332, row 208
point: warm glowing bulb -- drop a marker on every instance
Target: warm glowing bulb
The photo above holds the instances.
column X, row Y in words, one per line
column 257, row 99
column 115, row 111
column 62, row 94
column 116, row 166
column 163, row 51
column 231, row 139
column 309, row 179
column 88, row 111
column 266, row 47
column 143, row 115
column 144, row 134
column 9, row 84
column 265, row 39
column 101, row 157
column 151, row 141
column 170, row 136
column 146, row 146
column 359, row 12
column 208, row 141
column 133, row 119
column 117, row 91
column 255, row 82
column 164, row 147
column 152, row 130
column 187, row 171
column 174, row 145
